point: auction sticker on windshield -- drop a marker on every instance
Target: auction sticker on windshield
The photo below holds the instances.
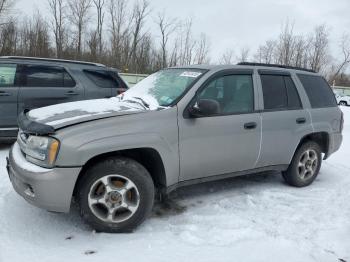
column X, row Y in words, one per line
column 191, row 74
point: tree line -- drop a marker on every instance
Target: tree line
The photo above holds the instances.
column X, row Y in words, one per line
column 112, row 32
column 117, row 33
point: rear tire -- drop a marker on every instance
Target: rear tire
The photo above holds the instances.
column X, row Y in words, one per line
column 115, row 195
column 305, row 165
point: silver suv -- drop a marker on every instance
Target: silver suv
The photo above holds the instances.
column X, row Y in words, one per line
column 179, row 126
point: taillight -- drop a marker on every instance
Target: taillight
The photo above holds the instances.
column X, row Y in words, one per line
column 341, row 122
column 121, row 91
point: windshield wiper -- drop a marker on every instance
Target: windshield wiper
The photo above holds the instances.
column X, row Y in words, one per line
column 144, row 103
column 139, row 101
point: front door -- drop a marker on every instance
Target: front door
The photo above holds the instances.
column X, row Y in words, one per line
column 47, row 85
column 226, row 142
column 8, row 100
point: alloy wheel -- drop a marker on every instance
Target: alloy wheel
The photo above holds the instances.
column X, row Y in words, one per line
column 307, row 164
column 113, row 198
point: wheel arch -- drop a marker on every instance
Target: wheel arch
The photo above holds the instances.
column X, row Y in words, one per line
column 321, row 138
column 150, row 158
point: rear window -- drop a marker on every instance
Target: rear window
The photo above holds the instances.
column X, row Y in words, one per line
column 318, row 91
column 101, row 78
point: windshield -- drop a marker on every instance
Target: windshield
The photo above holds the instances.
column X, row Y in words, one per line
column 163, row 88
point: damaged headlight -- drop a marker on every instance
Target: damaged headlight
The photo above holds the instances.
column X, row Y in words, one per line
column 42, row 150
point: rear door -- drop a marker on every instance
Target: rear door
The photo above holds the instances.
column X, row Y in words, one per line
column 47, row 85
column 8, row 99
column 284, row 120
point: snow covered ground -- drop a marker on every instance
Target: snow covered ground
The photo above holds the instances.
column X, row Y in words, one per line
column 254, row 218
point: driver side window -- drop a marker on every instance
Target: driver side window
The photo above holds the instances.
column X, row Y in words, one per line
column 234, row 93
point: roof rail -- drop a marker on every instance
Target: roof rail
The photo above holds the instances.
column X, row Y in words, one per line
column 278, row 66
column 52, row 60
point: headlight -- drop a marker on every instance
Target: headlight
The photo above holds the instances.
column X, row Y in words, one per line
column 42, row 150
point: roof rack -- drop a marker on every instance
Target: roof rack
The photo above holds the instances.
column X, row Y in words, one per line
column 51, row 60
column 278, row 66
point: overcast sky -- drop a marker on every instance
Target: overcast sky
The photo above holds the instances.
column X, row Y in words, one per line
column 233, row 24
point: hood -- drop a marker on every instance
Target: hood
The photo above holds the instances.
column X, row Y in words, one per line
column 61, row 115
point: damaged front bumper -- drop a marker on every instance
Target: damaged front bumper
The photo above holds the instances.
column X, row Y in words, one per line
column 50, row 189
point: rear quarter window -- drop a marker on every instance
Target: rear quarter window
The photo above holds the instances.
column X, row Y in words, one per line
column 103, row 79
column 318, row 91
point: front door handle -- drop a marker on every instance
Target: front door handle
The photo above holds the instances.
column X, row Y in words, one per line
column 3, row 93
column 301, row 120
column 250, row 125
column 71, row 93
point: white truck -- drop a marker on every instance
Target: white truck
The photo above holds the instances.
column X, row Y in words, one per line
column 343, row 100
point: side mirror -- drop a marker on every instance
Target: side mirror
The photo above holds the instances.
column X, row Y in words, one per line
column 205, row 107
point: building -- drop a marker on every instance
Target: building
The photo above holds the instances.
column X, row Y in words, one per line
column 342, row 90
column 132, row 79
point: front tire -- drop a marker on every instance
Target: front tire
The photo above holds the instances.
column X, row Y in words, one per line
column 115, row 195
column 343, row 103
column 305, row 165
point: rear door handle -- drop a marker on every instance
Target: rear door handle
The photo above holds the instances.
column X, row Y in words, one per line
column 71, row 93
column 301, row 120
column 250, row 125
column 3, row 93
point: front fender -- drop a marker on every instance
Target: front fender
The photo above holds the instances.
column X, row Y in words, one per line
column 168, row 151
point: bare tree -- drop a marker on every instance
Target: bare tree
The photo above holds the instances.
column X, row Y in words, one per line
column 93, row 44
column 345, row 48
column 301, row 47
column 140, row 12
column 202, row 50
column 185, row 44
column 318, row 52
column 79, row 17
column 166, row 28
column 297, row 50
column 99, row 4
column 8, row 38
column 243, row 55
column 57, row 9
column 227, row 58
column 5, row 7
column 34, row 39
column 266, row 52
column 119, row 32
column 286, row 44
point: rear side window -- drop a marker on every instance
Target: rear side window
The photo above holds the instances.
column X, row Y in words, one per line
column 279, row 92
column 318, row 91
column 292, row 94
column 46, row 76
column 102, row 78
column 7, row 75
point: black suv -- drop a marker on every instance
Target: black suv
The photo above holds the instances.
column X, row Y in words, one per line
column 28, row 83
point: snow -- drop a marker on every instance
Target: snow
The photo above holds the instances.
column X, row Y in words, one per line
column 61, row 113
column 252, row 218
